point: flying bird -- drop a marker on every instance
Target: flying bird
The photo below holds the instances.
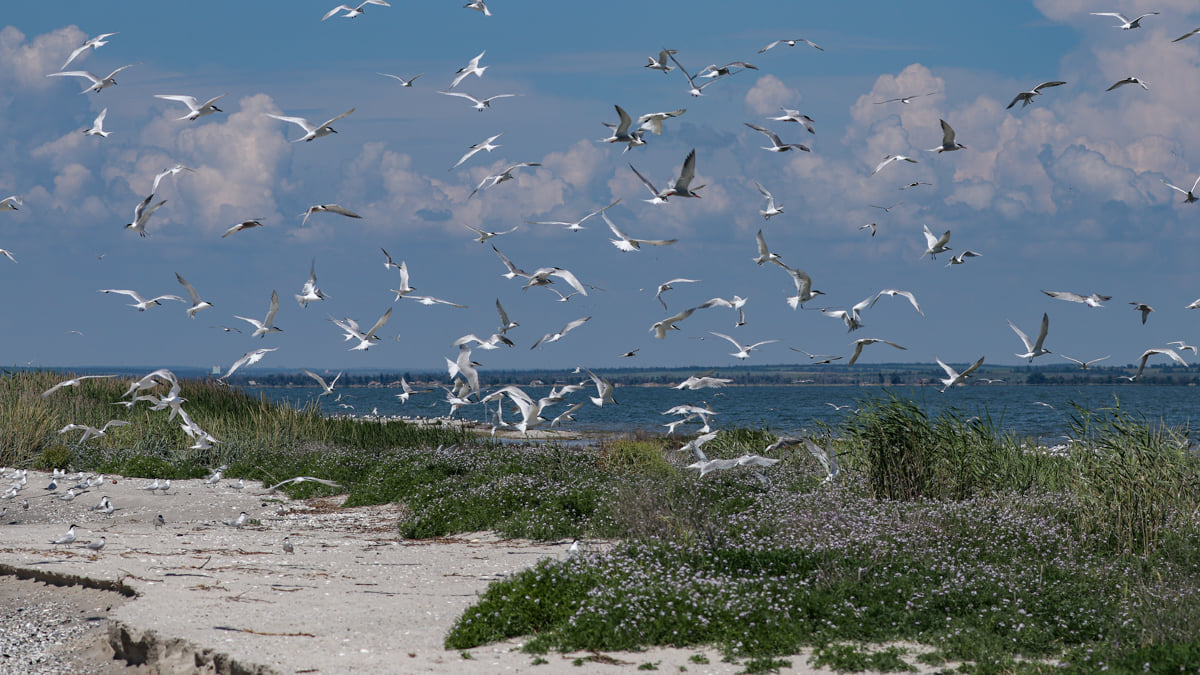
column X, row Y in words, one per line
column 743, row 351
column 93, row 432
column 935, row 245
column 403, row 82
column 777, row 145
column 92, row 43
column 196, row 109
column 1093, row 300
column 173, row 171
column 893, row 292
column 11, row 202
column 97, row 128
column 485, row 145
column 267, row 325
column 1158, row 350
column 244, row 225
column 714, row 71
column 948, row 142
column 1026, row 97
column 311, row 131
column 1189, row 196
column 1128, row 80
column 796, row 116
column 905, row 99
column 576, row 225
column 771, row 208
column 141, row 303
column 98, row 83
column 327, row 208
column 309, row 291
column 1033, row 349
column 791, row 43
column 863, row 342
column 1143, row 308
column 480, row 103
column 954, row 377
column 1083, row 364
column 505, row 175
column 555, row 337
column 892, row 158
column 1181, row 37
column 73, row 382
column 197, row 303
column 472, row 67
column 627, row 243
column 478, row 6
column 484, row 235
column 351, row 12
column 660, row 63
column 621, row 133
column 1126, row 23
column 248, row 359
column 962, row 257
column 142, row 213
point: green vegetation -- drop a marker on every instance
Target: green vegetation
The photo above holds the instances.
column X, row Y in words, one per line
column 990, row 551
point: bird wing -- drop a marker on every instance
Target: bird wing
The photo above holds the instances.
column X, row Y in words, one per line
column 1047, row 85
column 737, row 345
column 947, row 133
column 462, row 95
column 274, row 308
column 769, row 134
column 1045, row 328
column 341, row 210
column 189, row 101
column 626, row 121
column 648, row 184
column 133, row 294
column 1023, row 336
column 77, row 73
column 300, row 121
column 379, row 324
column 687, row 172
column 566, row 276
column 191, row 291
column 336, row 118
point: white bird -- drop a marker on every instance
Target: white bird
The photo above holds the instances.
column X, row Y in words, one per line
column 484, row 235
column 541, row 277
column 244, row 225
column 311, row 131
column 1033, row 349
column 962, row 257
column 503, row 176
column 287, row 545
column 95, row 546
column 513, row 271
column 173, row 171
column 660, row 63
column 142, row 213
column 196, row 109
column 407, row 391
column 429, row 301
column 327, row 208
column 1026, row 97
column 479, row 103
column 1093, row 300
column 576, row 225
column 714, row 71
column 660, row 328
column 326, row 388
column 90, row 43
column 237, row 522
column 935, row 245
column 1126, row 24
column 485, row 145
column 213, row 478
column 850, row 317
column 478, row 6
column 703, row 381
column 73, row 382
column 626, row 243
column 492, row 342
column 905, row 99
column 141, row 303
column 1158, row 350
column 365, row 338
column 604, row 390
column 804, row 289
column 1083, row 364
column 1183, row 346
column 1128, row 80
column 863, row 342
column 152, row 487
column 827, row 458
column 653, row 122
column 505, row 322
column 11, row 202
column 791, row 43
column 796, row 116
column 68, row 538
column 92, row 432
column 764, row 253
column 743, row 351
column 68, row 496
column 403, row 82
column 777, row 145
column 948, row 142
column 1188, row 195
column 621, row 133
column 1144, row 309
column 667, row 286
column 893, row 292
column 351, row 12
column 771, row 209
column 97, row 128
column 267, row 325
column 302, row 479
column 892, row 158
column 197, row 303
column 953, row 377
column 98, row 83
column 561, row 333
column 472, row 67
column 309, row 291
column 248, row 359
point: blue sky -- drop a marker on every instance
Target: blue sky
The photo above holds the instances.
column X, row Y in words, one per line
column 1065, row 194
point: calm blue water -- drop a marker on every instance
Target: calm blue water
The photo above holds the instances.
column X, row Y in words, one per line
column 784, row 409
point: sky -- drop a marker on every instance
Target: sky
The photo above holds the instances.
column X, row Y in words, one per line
column 1066, row 194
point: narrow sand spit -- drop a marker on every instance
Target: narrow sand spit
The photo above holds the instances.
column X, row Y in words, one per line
column 199, row 596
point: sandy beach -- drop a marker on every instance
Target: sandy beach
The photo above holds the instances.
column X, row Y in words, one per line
column 199, row 596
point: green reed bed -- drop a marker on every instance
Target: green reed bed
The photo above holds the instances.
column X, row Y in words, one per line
column 986, row 550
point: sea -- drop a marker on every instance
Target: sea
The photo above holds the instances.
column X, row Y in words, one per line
column 1039, row 412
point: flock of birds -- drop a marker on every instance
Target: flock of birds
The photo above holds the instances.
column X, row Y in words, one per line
column 163, row 391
